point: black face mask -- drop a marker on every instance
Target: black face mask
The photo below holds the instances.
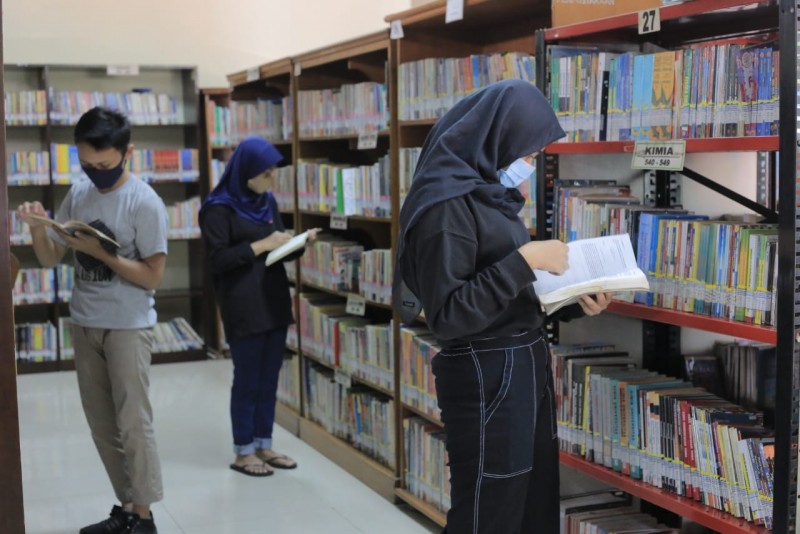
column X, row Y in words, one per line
column 105, row 178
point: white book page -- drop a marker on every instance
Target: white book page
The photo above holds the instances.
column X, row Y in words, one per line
column 294, row 244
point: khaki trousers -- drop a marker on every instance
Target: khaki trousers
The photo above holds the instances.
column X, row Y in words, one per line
column 113, row 377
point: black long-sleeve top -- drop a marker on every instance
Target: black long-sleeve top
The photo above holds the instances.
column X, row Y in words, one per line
column 253, row 298
column 463, row 264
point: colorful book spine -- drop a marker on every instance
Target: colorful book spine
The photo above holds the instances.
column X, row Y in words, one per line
column 141, row 108
column 34, row 286
column 348, row 110
column 184, row 219
column 26, row 108
column 375, row 276
column 289, row 382
column 332, row 263
column 362, row 191
column 28, row 168
column 417, row 385
column 36, row 342
column 427, row 473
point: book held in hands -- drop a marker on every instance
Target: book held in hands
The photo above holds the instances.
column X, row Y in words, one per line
column 73, row 227
column 598, row 265
column 293, row 245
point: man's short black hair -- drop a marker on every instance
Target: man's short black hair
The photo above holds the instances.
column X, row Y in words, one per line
column 104, row 128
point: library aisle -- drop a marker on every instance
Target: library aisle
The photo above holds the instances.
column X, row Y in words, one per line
column 66, row 488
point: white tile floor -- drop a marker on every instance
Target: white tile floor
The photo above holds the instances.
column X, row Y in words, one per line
column 66, row 486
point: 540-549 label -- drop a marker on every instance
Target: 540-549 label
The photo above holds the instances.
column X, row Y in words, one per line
column 659, row 155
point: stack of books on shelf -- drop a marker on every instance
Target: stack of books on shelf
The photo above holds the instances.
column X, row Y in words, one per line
column 20, row 231
column 705, row 90
column 332, row 263
column 270, row 119
column 152, row 166
column 428, row 88
column 375, row 275
column 353, row 413
column 65, row 274
column 663, row 431
column 418, row 347
column 289, row 383
column 284, row 188
column 614, row 520
column 217, row 170
column 66, row 344
column 36, row 342
column 350, row 110
column 28, row 168
column 573, row 506
column 176, row 336
column 427, row 474
column 329, row 187
column 219, row 124
column 367, row 353
column 184, row 219
column 140, row 107
column 34, row 286
column 26, row 108
column 323, row 326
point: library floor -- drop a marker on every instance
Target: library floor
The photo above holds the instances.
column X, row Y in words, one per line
column 66, row 487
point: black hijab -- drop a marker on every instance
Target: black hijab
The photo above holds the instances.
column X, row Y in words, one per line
column 483, row 133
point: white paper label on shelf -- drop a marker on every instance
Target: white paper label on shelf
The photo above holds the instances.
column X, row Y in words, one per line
column 650, row 21
column 122, row 70
column 338, row 221
column 356, row 305
column 455, row 11
column 343, row 377
column 368, row 141
column 253, row 74
column 659, row 155
column 396, row 31
column 298, row 69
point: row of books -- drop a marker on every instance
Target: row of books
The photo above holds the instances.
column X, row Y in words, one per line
column 607, row 513
column 292, row 337
column 330, row 187
column 736, row 282
column 353, row 413
column 164, row 165
column 28, row 168
column 289, row 382
column 408, row 165
column 20, row 231
column 663, row 431
column 184, row 219
column 706, row 90
column 349, row 110
column 36, row 342
column 332, row 263
column 367, row 352
column 375, row 275
column 284, row 188
column 140, row 107
column 418, row 347
column 176, row 335
column 270, row 119
column 38, row 286
column 26, row 108
column 428, row 88
column 427, row 472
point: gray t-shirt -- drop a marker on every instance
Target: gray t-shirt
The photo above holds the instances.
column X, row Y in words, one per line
column 133, row 215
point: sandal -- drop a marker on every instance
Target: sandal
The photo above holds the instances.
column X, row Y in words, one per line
column 279, row 461
column 247, row 469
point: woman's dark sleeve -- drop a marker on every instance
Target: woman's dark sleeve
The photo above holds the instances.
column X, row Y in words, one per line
column 223, row 256
column 459, row 301
column 568, row 313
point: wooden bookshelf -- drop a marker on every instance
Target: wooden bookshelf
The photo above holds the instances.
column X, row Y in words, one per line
column 431, row 512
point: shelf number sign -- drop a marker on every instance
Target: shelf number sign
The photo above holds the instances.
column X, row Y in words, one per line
column 356, row 305
column 338, row 221
column 396, row 30
column 649, row 21
column 253, row 74
column 659, row 155
column 368, row 141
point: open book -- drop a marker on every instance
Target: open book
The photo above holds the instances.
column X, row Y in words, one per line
column 598, row 265
column 71, row 227
column 293, row 245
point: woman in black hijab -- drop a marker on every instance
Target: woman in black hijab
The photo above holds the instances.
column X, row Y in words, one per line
column 467, row 259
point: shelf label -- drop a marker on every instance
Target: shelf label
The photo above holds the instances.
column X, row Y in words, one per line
column 298, row 69
column 368, row 141
column 396, row 31
column 356, row 305
column 649, row 21
column 659, row 155
column 455, row 11
column 338, row 221
column 343, row 377
column 122, row 70
column 253, row 74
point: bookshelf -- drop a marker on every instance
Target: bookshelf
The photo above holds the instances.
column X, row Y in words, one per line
column 162, row 105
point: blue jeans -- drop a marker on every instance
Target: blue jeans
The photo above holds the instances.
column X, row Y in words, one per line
column 257, row 362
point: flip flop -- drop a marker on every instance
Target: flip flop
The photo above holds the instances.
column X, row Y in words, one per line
column 274, row 461
column 243, row 469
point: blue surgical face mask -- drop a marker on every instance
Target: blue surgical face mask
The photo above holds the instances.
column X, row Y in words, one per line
column 517, row 172
column 105, row 178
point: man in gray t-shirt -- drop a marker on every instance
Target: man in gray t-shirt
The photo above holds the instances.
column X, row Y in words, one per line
column 112, row 310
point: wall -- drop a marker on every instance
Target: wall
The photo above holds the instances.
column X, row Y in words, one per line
column 221, row 37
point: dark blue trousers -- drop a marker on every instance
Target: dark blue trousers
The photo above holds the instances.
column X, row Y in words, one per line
column 257, row 363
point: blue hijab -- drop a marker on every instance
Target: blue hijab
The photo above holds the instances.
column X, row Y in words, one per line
column 253, row 156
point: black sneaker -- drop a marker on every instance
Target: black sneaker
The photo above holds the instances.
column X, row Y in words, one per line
column 118, row 522
column 143, row 526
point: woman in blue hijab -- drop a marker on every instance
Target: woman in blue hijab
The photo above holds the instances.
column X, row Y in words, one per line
column 241, row 223
column 465, row 257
